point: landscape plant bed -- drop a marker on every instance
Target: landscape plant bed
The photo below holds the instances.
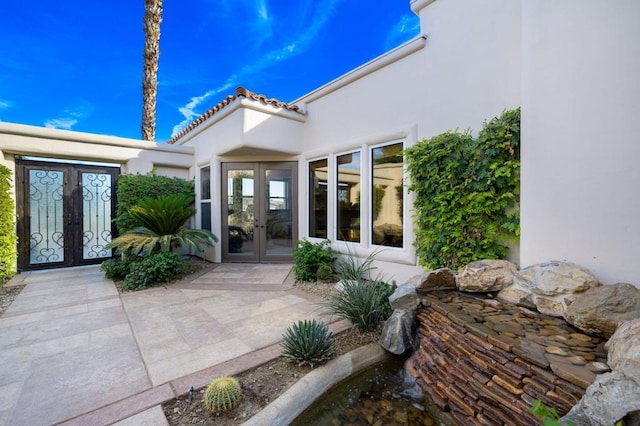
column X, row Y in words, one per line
column 7, row 294
column 260, row 385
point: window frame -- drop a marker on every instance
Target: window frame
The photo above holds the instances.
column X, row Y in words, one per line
column 370, row 189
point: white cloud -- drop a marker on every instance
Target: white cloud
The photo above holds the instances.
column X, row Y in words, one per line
column 403, row 30
column 81, row 109
column 71, row 116
column 4, row 104
column 295, row 46
column 61, row 123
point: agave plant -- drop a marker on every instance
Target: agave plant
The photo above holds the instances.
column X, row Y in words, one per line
column 364, row 303
column 161, row 227
column 307, row 342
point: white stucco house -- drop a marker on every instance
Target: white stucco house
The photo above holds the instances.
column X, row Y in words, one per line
column 327, row 165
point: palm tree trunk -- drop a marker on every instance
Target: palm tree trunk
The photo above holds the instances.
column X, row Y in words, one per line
column 152, row 20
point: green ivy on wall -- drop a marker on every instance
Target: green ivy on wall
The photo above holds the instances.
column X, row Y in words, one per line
column 133, row 188
column 467, row 193
column 8, row 237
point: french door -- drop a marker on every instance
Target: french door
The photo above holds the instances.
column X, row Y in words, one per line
column 65, row 213
column 259, row 211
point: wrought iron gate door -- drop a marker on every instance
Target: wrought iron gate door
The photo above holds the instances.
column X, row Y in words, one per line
column 65, row 213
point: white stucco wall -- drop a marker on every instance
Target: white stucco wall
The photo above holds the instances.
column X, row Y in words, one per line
column 468, row 71
column 580, row 136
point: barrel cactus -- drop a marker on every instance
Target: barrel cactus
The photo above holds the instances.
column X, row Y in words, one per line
column 223, row 394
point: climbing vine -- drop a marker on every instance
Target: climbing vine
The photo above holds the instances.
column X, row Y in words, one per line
column 7, row 227
column 467, row 193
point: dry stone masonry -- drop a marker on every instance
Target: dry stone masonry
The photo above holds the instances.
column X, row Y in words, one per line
column 485, row 362
column 492, row 339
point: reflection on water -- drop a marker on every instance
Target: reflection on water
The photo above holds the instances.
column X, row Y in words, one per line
column 381, row 395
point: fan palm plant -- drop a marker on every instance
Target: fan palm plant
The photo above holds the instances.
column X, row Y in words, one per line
column 161, row 227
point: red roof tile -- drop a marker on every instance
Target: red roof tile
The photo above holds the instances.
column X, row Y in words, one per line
column 241, row 92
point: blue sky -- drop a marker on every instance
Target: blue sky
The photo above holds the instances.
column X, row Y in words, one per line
column 78, row 64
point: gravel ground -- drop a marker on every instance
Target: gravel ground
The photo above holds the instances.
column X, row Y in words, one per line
column 265, row 383
column 7, row 294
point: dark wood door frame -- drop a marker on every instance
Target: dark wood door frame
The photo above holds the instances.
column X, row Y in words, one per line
column 73, row 237
column 261, row 224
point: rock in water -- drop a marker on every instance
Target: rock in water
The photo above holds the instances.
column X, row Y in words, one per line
column 397, row 334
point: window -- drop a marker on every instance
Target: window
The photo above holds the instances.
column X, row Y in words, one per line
column 318, row 198
column 387, row 195
column 348, row 201
column 205, row 198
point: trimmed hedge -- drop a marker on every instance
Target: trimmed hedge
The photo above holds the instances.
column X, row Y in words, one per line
column 133, row 188
column 8, row 237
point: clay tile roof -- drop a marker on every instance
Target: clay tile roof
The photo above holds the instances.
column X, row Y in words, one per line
column 241, row 92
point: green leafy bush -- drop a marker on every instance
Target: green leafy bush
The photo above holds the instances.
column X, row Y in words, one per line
column 364, row 303
column 133, row 188
column 223, row 394
column 309, row 257
column 161, row 227
column 324, row 273
column 117, row 268
column 307, row 342
column 159, row 267
column 8, row 237
column 467, row 193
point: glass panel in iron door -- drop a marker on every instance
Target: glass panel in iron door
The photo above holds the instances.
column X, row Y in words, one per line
column 46, row 216
column 279, row 209
column 96, row 215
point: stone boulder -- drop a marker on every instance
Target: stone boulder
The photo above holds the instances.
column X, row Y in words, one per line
column 612, row 396
column 397, row 334
column 601, row 309
column 487, row 275
column 608, row 399
column 517, row 295
column 405, row 297
column 555, row 285
column 438, row 279
column 624, row 349
column 557, row 278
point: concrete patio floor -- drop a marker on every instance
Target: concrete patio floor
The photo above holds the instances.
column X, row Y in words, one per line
column 75, row 352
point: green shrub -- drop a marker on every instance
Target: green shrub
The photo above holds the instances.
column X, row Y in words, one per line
column 309, row 257
column 161, row 227
column 364, row 303
column 133, row 188
column 223, row 394
column 307, row 342
column 117, row 268
column 8, row 237
column 157, row 268
column 467, row 193
column 324, row 273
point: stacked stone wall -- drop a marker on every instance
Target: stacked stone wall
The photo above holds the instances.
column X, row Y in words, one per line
column 485, row 362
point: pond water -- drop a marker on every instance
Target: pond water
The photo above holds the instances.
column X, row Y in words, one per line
column 381, row 395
